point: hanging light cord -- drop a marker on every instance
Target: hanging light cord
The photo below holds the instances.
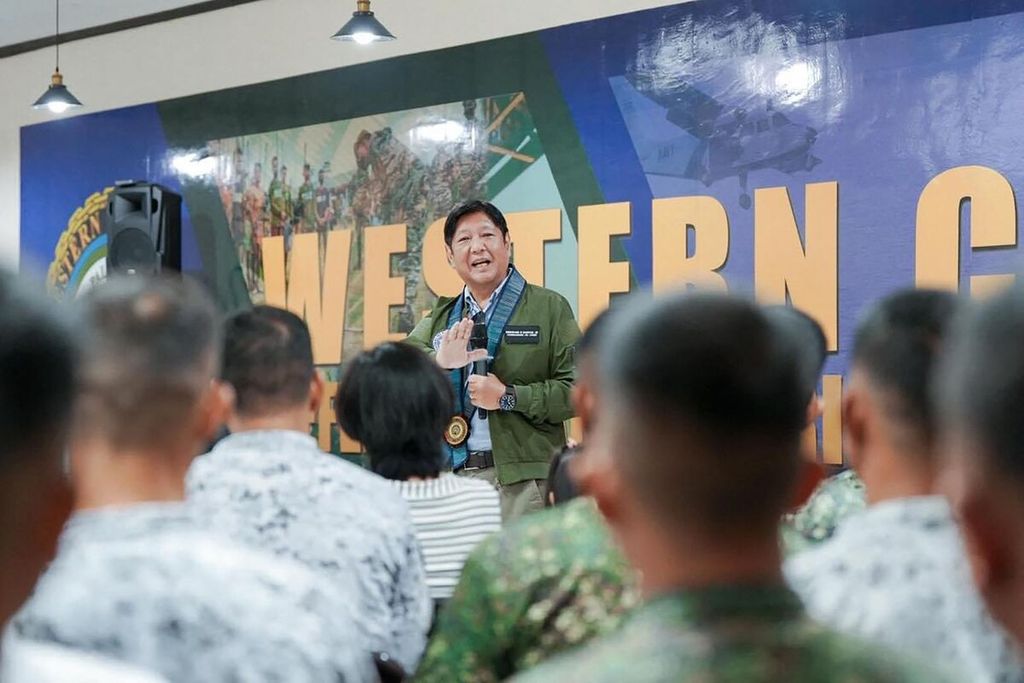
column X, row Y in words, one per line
column 56, row 35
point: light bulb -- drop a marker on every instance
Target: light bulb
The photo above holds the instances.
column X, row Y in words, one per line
column 57, row 107
column 363, row 37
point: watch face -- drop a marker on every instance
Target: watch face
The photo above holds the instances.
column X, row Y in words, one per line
column 507, row 402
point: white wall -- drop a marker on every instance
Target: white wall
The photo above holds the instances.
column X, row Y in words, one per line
column 255, row 42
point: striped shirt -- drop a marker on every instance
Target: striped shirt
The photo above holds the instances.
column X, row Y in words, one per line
column 452, row 515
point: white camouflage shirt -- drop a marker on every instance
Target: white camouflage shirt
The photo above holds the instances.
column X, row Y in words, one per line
column 897, row 573
column 146, row 585
column 278, row 490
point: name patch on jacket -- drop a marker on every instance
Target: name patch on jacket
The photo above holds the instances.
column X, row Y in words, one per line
column 522, row 334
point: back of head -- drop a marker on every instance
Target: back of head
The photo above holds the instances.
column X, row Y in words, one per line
column 151, row 348
column 37, row 372
column 396, row 402
column 811, row 339
column 705, row 409
column 268, row 359
column 897, row 345
column 981, row 388
column 37, row 359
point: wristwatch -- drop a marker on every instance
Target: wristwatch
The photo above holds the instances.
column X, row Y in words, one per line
column 508, row 400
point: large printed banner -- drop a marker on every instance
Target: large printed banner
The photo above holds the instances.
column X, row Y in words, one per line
column 820, row 156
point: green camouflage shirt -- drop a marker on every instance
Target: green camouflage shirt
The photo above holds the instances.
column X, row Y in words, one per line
column 550, row 581
column 834, row 500
column 753, row 634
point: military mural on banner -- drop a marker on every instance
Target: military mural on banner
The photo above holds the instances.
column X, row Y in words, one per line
column 820, row 156
column 398, row 168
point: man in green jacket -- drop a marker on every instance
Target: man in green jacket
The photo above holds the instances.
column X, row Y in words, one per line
column 510, row 421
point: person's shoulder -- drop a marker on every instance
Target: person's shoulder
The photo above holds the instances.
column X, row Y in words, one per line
column 544, row 543
column 475, row 486
column 601, row 660
column 830, row 655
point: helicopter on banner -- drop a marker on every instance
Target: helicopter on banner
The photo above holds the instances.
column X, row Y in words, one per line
column 720, row 142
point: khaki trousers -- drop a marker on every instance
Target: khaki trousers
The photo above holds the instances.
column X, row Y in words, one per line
column 516, row 499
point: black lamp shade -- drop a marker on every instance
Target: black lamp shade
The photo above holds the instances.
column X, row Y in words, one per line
column 57, row 97
column 363, row 27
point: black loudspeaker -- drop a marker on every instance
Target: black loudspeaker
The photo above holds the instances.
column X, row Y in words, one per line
column 143, row 227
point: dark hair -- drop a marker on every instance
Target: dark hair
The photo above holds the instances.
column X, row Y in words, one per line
column 37, row 364
column 560, row 485
column 981, row 384
column 268, row 359
column 151, row 346
column 811, row 339
column 396, row 402
column 594, row 336
column 715, row 404
column 468, row 208
column 898, row 343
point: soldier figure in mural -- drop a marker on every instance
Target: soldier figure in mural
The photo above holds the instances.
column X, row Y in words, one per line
column 236, row 216
column 305, row 205
column 323, row 206
column 254, row 203
column 278, row 199
column 393, row 186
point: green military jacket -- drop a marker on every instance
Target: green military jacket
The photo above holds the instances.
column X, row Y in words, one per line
column 523, row 440
column 729, row 634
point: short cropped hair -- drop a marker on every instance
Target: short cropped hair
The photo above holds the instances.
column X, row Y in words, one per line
column 151, row 346
column 711, row 389
column 396, row 402
column 981, row 384
column 268, row 359
column 898, row 344
column 37, row 371
column 471, row 207
column 812, row 340
column 594, row 336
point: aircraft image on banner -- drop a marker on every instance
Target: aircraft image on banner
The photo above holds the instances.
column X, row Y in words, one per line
column 719, row 142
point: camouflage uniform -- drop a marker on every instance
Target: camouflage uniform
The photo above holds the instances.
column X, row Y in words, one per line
column 305, row 207
column 748, row 633
column 547, row 583
column 834, row 500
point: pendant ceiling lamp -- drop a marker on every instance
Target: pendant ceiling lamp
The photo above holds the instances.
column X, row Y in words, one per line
column 363, row 27
column 57, row 97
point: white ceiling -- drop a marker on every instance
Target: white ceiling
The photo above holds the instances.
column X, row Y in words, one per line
column 25, row 20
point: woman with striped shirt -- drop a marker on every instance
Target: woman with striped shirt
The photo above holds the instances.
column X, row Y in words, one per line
column 396, row 402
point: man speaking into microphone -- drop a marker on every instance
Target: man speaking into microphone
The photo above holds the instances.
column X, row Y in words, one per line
column 508, row 346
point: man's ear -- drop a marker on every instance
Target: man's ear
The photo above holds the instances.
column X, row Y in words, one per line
column 855, row 426
column 596, row 475
column 449, row 255
column 215, row 408
column 316, row 392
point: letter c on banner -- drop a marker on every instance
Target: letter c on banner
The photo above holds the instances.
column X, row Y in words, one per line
column 993, row 224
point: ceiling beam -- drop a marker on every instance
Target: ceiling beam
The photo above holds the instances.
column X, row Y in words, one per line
column 115, row 26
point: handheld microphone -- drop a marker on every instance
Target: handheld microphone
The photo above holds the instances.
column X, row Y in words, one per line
column 478, row 340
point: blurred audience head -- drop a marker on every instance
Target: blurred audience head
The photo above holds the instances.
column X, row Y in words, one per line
column 396, row 402
column 587, row 386
column 151, row 353
column 37, row 374
column 696, row 448
column 814, row 350
column 888, row 419
column 268, row 360
column 980, row 393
